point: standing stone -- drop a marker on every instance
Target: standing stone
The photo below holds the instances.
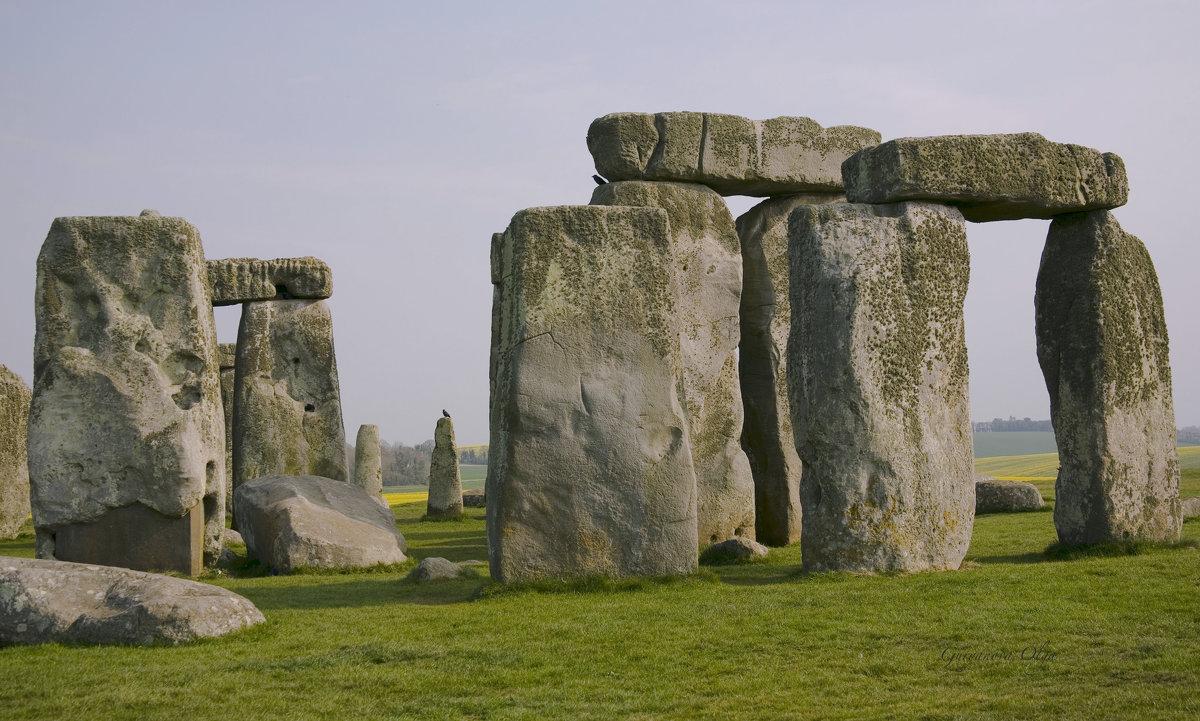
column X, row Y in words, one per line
column 126, row 439
column 1103, row 348
column 227, row 355
column 988, row 177
column 707, row 268
column 762, row 366
column 878, row 376
column 730, row 154
column 287, row 402
column 243, row 280
column 445, row 483
column 590, row 469
column 14, row 467
column 368, row 463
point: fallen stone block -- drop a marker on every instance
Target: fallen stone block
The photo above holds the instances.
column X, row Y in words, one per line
column 733, row 550
column 1103, row 348
column 43, row 601
column 988, row 177
column 243, row 280
column 992, row 496
column 440, row 569
column 474, row 499
column 309, row 522
column 730, row 154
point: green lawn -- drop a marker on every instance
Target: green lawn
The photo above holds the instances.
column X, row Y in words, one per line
column 1104, row 638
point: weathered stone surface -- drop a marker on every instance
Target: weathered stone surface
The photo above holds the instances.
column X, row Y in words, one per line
column 445, row 482
column 287, row 400
column 233, row 538
column 227, row 355
column 1190, row 507
column 878, row 376
column 762, row 366
column 14, row 468
column 291, row 522
column 707, row 269
column 126, row 402
column 590, row 469
column 989, row 177
column 1103, row 348
column 44, row 601
column 992, row 496
column 474, row 499
column 368, row 461
column 730, row 154
column 242, row 280
column 733, row 550
column 440, row 569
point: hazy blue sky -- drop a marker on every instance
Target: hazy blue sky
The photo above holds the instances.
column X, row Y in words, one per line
column 392, row 140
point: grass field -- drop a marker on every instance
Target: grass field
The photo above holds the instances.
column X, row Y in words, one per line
column 1012, row 443
column 1015, row 634
column 1042, row 468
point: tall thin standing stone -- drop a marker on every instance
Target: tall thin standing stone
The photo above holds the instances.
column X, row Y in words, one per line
column 227, row 354
column 14, row 466
column 287, row 398
column 707, row 267
column 126, row 438
column 878, row 380
column 1103, row 348
column 368, row 464
column 445, row 483
column 766, row 318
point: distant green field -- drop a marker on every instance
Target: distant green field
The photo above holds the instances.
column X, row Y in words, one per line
column 1013, row 443
column 1041, row 469
column 472, row 477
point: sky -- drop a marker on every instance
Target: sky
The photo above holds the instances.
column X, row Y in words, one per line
column 391, row 139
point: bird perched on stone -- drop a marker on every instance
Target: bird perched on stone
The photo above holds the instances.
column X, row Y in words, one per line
column 444, row 413
column 599, row 180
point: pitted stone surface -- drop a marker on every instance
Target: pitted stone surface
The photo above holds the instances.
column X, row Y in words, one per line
column 242, row 280
column 126, row 404
column 293, row 522
column 992, row 496
column 878, row 379
column 989, row 177
column 730, row 154
column 445, row 481
column 762, row 366
column 287, row 399
column 45, row 601
column 1103, row 349
column 707, row 269
column 14, row 466
column 590, row 471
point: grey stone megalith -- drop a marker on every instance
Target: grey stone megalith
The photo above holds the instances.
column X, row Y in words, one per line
column 1103, row 348
column 445, row 481
column 590, row 470
column 878, row 381
column 14, row 464
column 707, row 268
column 126, row 438
column 227, row 354
column 368, row 462
column 287, row 399
column 762, row 365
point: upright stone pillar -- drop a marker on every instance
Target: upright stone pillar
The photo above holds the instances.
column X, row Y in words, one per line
column 878, row 379
column 287, row 400
column 762, row 366
column 445, row 483
column 126, row 439
column 368, row 463
column 1103, row 348
column 14, row 467
column 590, row 469
column 707, row 275
column 227, row 355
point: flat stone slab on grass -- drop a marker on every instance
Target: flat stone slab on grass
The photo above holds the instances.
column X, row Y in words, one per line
column 1190, row 507
column 730, row 154
column 989, row 177
column 242, row 280
column 733, row 550
column 291, row 522
column 436, row 568
column 992, row 496
column 474, row 498
column 44, row 601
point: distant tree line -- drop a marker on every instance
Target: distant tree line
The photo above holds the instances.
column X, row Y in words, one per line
column 1012, row 424
column 405, row 465
column 1189, row 436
